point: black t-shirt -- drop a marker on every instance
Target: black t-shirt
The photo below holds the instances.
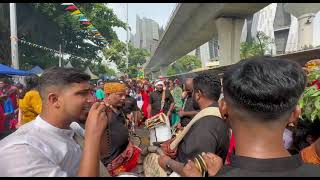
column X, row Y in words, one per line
column 130, row 105
column 155, row 101
column 287, row 166
column 188, row 107
column 208, row 134
column 119, row 135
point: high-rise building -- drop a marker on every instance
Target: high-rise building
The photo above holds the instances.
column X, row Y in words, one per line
column 147, row 34
column 281, row 27
column 275, row 22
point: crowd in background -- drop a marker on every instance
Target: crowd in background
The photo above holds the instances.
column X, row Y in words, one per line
column 254, row 112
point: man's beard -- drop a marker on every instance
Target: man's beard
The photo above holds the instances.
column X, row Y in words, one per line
column 195, row 104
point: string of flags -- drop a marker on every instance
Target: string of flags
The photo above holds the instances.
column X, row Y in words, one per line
column 86, row 25
column 48, row 49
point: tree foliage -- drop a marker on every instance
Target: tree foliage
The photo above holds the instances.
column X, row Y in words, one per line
column 73, row 35
column 184, row 64
column 69, row 33
column 258, row 46
column 118, row 54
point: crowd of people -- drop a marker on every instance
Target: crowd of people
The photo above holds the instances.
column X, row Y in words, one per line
column 244, row 123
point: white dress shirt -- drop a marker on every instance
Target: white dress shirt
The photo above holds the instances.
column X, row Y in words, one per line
column 39, row 149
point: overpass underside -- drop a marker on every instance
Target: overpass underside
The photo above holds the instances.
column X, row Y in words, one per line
column 193, row 24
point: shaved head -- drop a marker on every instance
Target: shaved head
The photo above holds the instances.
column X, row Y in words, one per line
column 189, row 84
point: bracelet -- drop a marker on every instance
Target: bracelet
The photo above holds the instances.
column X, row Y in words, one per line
column 167, row 164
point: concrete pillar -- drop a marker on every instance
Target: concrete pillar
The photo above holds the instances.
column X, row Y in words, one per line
column 229, row 34
column 305, row 13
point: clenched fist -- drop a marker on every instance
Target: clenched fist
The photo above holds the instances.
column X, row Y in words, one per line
column 97, row 120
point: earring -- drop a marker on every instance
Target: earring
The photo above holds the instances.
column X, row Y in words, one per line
column 225, row 116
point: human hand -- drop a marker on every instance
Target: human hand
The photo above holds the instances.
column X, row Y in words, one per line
column 190, row 170
column 169, row 114
column 163, row 160
column 184, row 94
column 181, row 113
column 214, row 163
column 97, row 120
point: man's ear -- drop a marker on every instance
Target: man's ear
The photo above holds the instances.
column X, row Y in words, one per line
column 223, row 108
column 53, row 99
column 294, row 116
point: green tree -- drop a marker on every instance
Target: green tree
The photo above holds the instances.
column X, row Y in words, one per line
column 256, row 47
column 118, row 52
column 73, row 36
column 184, row 64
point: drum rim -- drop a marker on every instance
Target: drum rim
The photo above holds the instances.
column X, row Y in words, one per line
column 128, row 173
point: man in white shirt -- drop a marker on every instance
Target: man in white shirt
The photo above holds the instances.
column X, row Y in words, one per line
column 46, row 146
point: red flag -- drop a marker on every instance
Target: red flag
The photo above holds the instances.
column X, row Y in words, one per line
column 73, row 7
column 86, row 22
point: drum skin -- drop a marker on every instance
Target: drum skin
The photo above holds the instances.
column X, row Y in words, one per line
column 151, row 166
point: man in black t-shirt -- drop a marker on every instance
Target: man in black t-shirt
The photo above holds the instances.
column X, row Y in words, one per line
column 155, row 103
column 188, row 111
column 208, row 134
column 260, row 98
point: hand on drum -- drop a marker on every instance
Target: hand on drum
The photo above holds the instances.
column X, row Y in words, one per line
column 213, row 162
column 163, row 160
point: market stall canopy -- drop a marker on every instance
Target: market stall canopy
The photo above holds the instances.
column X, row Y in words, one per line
column 88, row 71
column 11, row 71
column 69, row 65
column 36, row 70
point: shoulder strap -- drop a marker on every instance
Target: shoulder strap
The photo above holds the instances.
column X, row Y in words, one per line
column 163, row 98
column 209, row 111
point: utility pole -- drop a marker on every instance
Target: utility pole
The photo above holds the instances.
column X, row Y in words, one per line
column 14, row 36
column 60, row 55
column 127, row 63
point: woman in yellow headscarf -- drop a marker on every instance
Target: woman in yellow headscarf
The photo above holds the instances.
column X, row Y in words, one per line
column 30, row 106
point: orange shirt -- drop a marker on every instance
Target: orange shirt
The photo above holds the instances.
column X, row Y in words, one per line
column 309, row 155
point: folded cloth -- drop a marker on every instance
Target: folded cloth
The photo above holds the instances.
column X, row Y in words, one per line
column 126, row 161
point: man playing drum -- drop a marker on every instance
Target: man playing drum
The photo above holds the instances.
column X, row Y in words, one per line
column 209, row 133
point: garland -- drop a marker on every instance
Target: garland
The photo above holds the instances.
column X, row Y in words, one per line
column 48, row 49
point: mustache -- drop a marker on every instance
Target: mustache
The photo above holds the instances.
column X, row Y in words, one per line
column 87, row 107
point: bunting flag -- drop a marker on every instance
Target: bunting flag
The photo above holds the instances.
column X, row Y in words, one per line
column 76, row 12
column 83, row 19
column 72, row 7
column 48, row 49
column 85, row 24
column 67, row 4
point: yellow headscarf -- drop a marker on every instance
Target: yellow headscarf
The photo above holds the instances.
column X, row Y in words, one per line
column 114, row 87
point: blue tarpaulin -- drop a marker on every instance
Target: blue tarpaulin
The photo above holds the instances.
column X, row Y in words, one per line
column 36, row 70
column 11, row 71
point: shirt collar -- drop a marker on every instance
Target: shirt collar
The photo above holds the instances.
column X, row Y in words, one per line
column 215, row 104
column 47, row 126
column 274, row 164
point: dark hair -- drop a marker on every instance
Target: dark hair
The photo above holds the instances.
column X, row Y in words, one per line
column 304, row 129
column 59, row 76
column 268, row 87
column 209, row 85
column 32, row 82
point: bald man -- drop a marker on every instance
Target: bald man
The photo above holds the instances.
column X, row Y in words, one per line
column 188, row 110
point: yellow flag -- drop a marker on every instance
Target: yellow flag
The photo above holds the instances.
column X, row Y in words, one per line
column 76, row 12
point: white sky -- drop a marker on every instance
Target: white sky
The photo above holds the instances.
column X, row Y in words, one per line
column 159, row 12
